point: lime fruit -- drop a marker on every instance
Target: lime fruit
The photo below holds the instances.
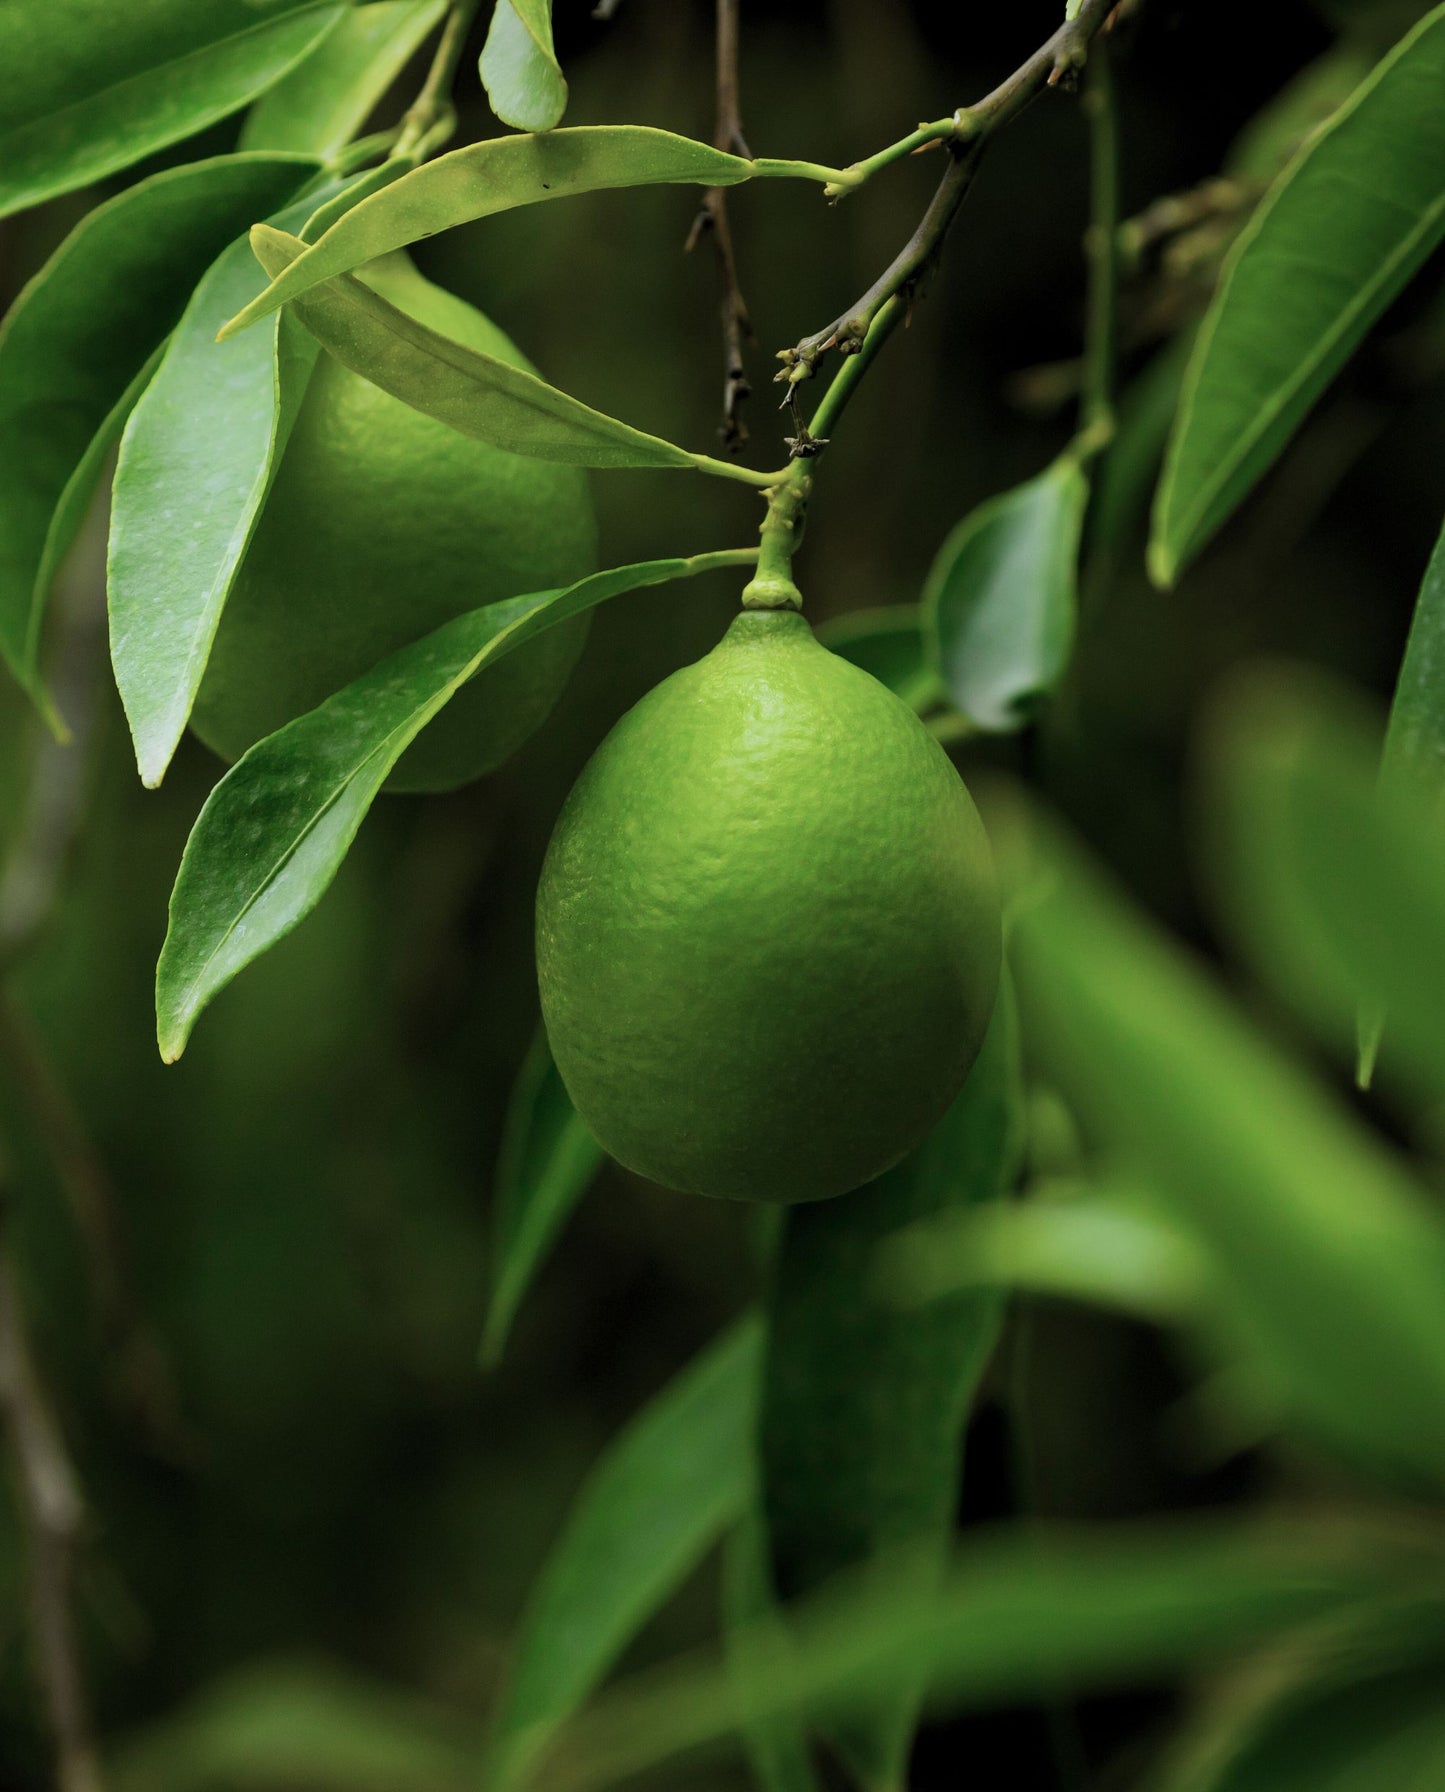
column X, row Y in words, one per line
column 381, row 525
column 767, row 927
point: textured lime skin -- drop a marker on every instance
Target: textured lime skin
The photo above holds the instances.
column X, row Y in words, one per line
column 767, row 927
column 381, row 525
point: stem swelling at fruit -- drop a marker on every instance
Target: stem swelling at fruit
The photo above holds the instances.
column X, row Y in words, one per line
column 431, row 110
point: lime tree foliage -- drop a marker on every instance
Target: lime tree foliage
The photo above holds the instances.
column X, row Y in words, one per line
column 955, row 1069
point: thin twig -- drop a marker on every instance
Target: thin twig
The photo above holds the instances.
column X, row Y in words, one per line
column 712, row 218
column 1096, row 420
column 53, row 1515
column 432, row 106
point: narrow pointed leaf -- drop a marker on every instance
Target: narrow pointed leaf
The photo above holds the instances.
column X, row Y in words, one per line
column 495, row 176
column 1000, row 601
column 77, row 337
column 1328, row 1253
column 471, row 392
column 663, row 1495
column 274, row 830
column 548, row 1161
column 87, row 88
column 1347, row 224
column 325, row 100
column 864, row 1403
column 889, row 644
column 777, row 1745
column 519, row 67
column 196, row 460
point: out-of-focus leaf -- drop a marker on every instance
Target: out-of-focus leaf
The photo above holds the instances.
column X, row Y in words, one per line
column 1333, row 877
column 1332, row 1262
column 274, row 830
column 77, row 337
column 284, row 1724
column 519, row 67
column 889, row 644
column 473, row 393
column 87, row 87
column 1281, row 128
column 325, row 100
column 196, row 461
column 1017, row 1614
column 864, row 1403
column 1103, row 1250
column 777, row 1745
column 1126, row 474
column 547, row 1163
column 666, row 1491
column 1000, row 601
column 1351, row 219
column 494, row 176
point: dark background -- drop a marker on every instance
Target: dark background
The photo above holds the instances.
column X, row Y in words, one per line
column 314, row 1463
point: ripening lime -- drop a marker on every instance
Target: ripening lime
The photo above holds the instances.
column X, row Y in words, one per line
column 383, row 524
column 767, row 928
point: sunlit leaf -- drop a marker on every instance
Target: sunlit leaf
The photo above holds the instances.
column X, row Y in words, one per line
column 495, row 176
column 864, row 1403
column 274, row 830
column 1332, row 1261
column 471, row 392
column 325, row 100
column 87, row 87
column 1347, row 224
column 888, row 643
column 547, row 1163
column 519, row 66
column 1000, row 600
column 664, row 1494
column 76, row 339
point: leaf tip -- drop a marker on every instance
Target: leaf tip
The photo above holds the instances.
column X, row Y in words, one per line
column 1162, row 565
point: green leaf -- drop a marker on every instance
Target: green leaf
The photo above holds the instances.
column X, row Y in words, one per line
column 665, row 1492
column 471, row 392
column 777, row 1744
column 1351, row 219
column 864, row 1403
column 1415, row 741
column 274, row 830
column 1334, row 878
column 87, row 87
column 1331, row 1260
column 888, row 643
column 495, row 176
column 1017, row 1614
column 78, row 336
column 1126, row 474
column 1000, row 600
column 548, row 1162
column 325, row 100
column 519, row 66
column 196, row 461
column 290, row 1723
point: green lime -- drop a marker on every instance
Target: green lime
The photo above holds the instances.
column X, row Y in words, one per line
column 383, row 524
column 767, row 926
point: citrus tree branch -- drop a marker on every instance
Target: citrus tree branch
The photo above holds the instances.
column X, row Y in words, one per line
column 712, row 219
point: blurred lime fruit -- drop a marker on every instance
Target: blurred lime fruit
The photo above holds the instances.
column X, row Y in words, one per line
column 383, row 524
column 767, row 928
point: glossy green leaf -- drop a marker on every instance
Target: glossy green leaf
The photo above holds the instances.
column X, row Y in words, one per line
column 471, row 392
column 1334, row 878
column 77, row 337
column 496, row 176
column 663, row 1495
column 548, row 1162
column 290, row 1723
column 196, row 460
column 754, row 1633
column 1351, row 219
column 864, row 1403
column 1279, row 130
column 87, row 87
column 1331, row 1260
column 1016, row 1614
column 1000, row 600
column 325, row 100
column 274, row 830
column 888, row 643
column 1102, row 1249
column 519, row 67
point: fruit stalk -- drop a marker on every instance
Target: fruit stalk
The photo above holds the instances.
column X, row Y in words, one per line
column 432, row 105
